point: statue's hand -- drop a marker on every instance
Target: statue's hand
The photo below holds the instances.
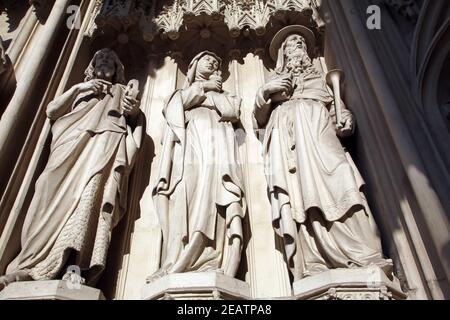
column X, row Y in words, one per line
column 130, row 106
column 347, row 127
column 95, row 86
column 214, row 84
column 278, row 84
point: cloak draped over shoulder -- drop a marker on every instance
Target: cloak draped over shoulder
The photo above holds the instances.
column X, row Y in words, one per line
column 303, row 155
column 315, row 189
column 199, row 174
column 82, row 193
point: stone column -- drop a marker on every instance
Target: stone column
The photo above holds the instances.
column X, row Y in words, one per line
column 387, row 149
column 427, row 199
column 17, row 108
column 16, row 47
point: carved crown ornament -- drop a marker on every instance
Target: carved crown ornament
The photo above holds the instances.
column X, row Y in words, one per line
column 162, row 26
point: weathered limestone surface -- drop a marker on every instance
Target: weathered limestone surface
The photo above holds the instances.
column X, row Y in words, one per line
column 369, row 283
column 49, row 290
column 396, row 91
column 205, row 285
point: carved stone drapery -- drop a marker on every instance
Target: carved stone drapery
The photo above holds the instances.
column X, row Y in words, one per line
column 83, row 217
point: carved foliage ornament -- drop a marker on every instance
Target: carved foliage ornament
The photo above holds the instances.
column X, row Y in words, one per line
column 169, row 17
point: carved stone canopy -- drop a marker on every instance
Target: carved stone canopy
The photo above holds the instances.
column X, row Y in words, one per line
column 14, row 11
column 190, row 26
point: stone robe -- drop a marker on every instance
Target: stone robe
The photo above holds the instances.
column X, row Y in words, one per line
column 200, row 175
column 315, row 189
column 82, row 193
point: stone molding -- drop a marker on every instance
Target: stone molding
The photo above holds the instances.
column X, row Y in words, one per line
column 198, row 286
column 49, row 290
column 349, row 284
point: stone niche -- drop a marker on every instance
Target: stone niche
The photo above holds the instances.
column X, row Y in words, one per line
column 196, row 286
column 174, row 33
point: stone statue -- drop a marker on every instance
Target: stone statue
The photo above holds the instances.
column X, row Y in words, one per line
column 199, row 192
column 315, row 189
column 82, row 193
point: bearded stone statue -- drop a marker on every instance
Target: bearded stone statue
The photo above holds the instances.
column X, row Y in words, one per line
column 82, row 193
column 315, row 189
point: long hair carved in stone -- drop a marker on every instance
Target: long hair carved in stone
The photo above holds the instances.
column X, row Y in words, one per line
column 318, row 207
column 82, row 193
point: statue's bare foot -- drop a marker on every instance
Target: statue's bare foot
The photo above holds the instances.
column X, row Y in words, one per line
column 23, row 275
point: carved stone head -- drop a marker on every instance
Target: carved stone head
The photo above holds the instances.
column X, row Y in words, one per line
column 204, row 66
column 279, row 39
column 207, row 65
column 295, row 44
column 292, row 47
column 295, row 54
column 106, row 65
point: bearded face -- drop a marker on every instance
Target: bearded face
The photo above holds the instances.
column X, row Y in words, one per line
column 105, row 66
column 296, row 54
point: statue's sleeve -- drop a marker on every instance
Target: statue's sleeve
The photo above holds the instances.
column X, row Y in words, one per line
column 135, row 132
column 228, row 106
column 262, row 108
column 193, row 96
column 236, row 103
column 345, row 112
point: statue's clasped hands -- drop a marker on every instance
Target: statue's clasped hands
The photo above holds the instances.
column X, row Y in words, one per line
column 213, row 84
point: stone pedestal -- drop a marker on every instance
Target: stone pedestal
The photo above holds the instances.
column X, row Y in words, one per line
column 49, row 290
column 196, row 286
column 349, row 284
